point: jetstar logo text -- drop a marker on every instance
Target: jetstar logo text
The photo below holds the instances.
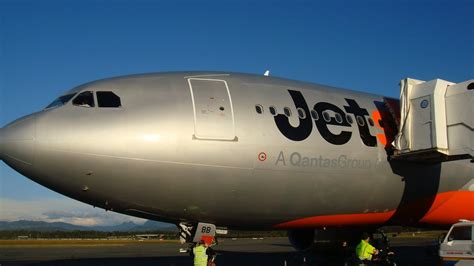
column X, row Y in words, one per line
column 305, row 127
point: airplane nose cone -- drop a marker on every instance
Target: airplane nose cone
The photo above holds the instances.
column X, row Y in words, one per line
column 17, row 142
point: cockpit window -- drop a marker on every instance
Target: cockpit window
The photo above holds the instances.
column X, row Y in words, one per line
column 61, row 100
column 108, row 99
column 84, row 99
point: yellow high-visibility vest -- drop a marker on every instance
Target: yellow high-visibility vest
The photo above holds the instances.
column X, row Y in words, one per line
column 200, row 256
column 364, row 250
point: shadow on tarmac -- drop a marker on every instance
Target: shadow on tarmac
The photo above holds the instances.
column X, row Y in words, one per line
column 223, row 258
column 405, row 256
column 273, row 252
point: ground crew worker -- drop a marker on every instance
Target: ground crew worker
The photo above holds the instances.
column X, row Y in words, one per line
column 200, row 256
column 211, row 256
column 365, row 250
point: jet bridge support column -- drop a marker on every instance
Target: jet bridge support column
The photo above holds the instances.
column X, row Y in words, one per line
column 437, row 121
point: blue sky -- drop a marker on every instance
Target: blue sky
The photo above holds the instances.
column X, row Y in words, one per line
column 48, row 47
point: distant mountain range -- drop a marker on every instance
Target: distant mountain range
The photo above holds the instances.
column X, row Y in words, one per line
column 59, row 226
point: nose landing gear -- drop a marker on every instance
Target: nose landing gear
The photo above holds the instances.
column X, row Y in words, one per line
column 189, row 233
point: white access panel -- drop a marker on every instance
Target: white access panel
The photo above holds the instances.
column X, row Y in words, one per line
column 460, row 118
column 422, row 123
column 428, row 115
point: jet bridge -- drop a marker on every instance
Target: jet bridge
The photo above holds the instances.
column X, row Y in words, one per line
column 436, row 121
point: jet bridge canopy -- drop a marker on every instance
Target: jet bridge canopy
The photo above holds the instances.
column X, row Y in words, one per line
column 436, row 121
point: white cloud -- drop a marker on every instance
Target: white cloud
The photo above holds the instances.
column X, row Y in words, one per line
column 60, row 210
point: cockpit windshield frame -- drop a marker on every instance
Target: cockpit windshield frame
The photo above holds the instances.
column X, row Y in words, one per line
column 61, row 100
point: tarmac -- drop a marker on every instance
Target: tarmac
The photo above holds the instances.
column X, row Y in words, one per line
column 244, row 251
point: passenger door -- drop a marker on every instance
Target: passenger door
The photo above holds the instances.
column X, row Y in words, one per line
column 213, row 112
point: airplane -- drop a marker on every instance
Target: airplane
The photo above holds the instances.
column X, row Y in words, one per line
column 236, row 151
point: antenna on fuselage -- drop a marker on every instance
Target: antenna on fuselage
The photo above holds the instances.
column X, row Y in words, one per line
column 267, row 73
